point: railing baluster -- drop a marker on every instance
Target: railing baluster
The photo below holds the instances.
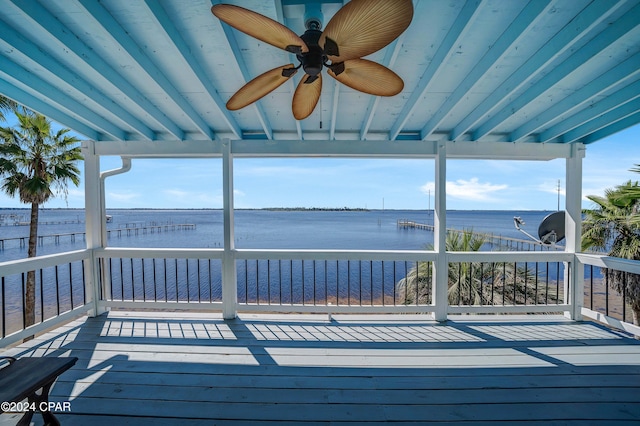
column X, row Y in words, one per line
column 360, row 280
column 144, row 288
column 268, row 281
column 515, row 282
column 177, row 292
column 41, row 295
column 84, row 293
column 558, row 282
column 371, row 280
column 481, row 284
column 504, row 282
column 210, row 282
column 546, row 292
column 536, row 288
column 624, row 296
column 394, row 283
column 459, row 283
column 493, row 282
column 314, row 282
column 470, row 283
column 606, row 291
column 71, row 285
column 155, row 281
column 133, row 284
column 198, row 272
column 417, row 281
column 166, row 286
column 591, row 287
column 326, row 284
column 382, row 289
column 186, row 261
column 337, row 283
column 525, row 282
column 303, row 287
column 4, row 313
column 280, row 280
column 57, row 291
column 24, row 310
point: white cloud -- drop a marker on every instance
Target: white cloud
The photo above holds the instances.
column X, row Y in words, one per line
column 123, row 196
column 472, row 189
column 551, row 186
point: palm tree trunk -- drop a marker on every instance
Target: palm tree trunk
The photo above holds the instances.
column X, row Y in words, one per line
column 30, row 292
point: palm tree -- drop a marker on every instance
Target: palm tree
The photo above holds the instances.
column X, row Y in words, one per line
column 474, row 283
column 6, row 105
column 613, row 226
column 34, row 164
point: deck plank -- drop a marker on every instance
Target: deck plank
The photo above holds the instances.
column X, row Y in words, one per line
column 161, row 368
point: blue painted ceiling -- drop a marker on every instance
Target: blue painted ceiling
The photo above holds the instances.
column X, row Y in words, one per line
column 549, row 71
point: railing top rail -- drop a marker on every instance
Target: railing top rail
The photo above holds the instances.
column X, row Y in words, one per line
column 180, row 253
column 604, row 261
column 303, row 254
column 23, row 265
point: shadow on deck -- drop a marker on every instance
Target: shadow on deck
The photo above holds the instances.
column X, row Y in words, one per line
column 186, row 368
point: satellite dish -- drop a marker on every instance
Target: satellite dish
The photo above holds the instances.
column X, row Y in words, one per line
column 551, row 230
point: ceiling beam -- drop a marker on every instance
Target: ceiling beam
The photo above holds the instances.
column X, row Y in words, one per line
column 602, row 121
column 13, row 92
column 589, row 17
column 335, row 148
column 82, row 52
column 461, row 25
column 170, row 29
column 611, row 78
column 530, row 15
column 391, row 54
column 612, row 128
column 235, row 49
column 390, row 57
column 57, row 71
column 622, row 96
column 55, row 96
column 609, row 35
column 103, row 18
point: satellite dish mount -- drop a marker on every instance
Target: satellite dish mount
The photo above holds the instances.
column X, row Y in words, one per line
column 550, row 231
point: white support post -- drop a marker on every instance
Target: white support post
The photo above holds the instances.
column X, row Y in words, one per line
column 574, row 275
column 441, row 267
column 229, row 279
column 93, row 222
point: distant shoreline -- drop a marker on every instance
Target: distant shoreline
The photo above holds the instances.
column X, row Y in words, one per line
column 303, row 209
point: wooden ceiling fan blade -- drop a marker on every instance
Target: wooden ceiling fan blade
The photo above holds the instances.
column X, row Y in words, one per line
column 306, row 97
column 260, row 27
column 368, row 77
column 363, row 27
column 260, row 86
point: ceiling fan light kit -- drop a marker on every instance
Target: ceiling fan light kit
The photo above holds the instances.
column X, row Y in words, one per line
column 358, row 29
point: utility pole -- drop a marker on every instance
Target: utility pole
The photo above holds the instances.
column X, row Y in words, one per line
column 558, row 194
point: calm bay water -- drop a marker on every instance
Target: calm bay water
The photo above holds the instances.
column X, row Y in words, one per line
column 365, row 230
column 254, row 229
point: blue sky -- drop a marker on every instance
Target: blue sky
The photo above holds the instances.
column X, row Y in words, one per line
column 360, row 183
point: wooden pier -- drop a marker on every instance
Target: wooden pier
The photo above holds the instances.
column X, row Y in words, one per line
column 117, row 232
column 497, row 240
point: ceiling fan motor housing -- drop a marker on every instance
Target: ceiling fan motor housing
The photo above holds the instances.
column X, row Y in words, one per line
column 313, row 60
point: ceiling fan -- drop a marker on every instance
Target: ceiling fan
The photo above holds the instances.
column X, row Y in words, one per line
column 358, row 29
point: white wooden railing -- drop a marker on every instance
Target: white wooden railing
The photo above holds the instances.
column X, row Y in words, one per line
column 325, row 281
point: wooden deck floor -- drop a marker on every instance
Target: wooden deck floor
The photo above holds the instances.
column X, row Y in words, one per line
column 186, row 368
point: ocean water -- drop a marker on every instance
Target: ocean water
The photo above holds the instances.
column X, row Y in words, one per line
column 255, row 229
